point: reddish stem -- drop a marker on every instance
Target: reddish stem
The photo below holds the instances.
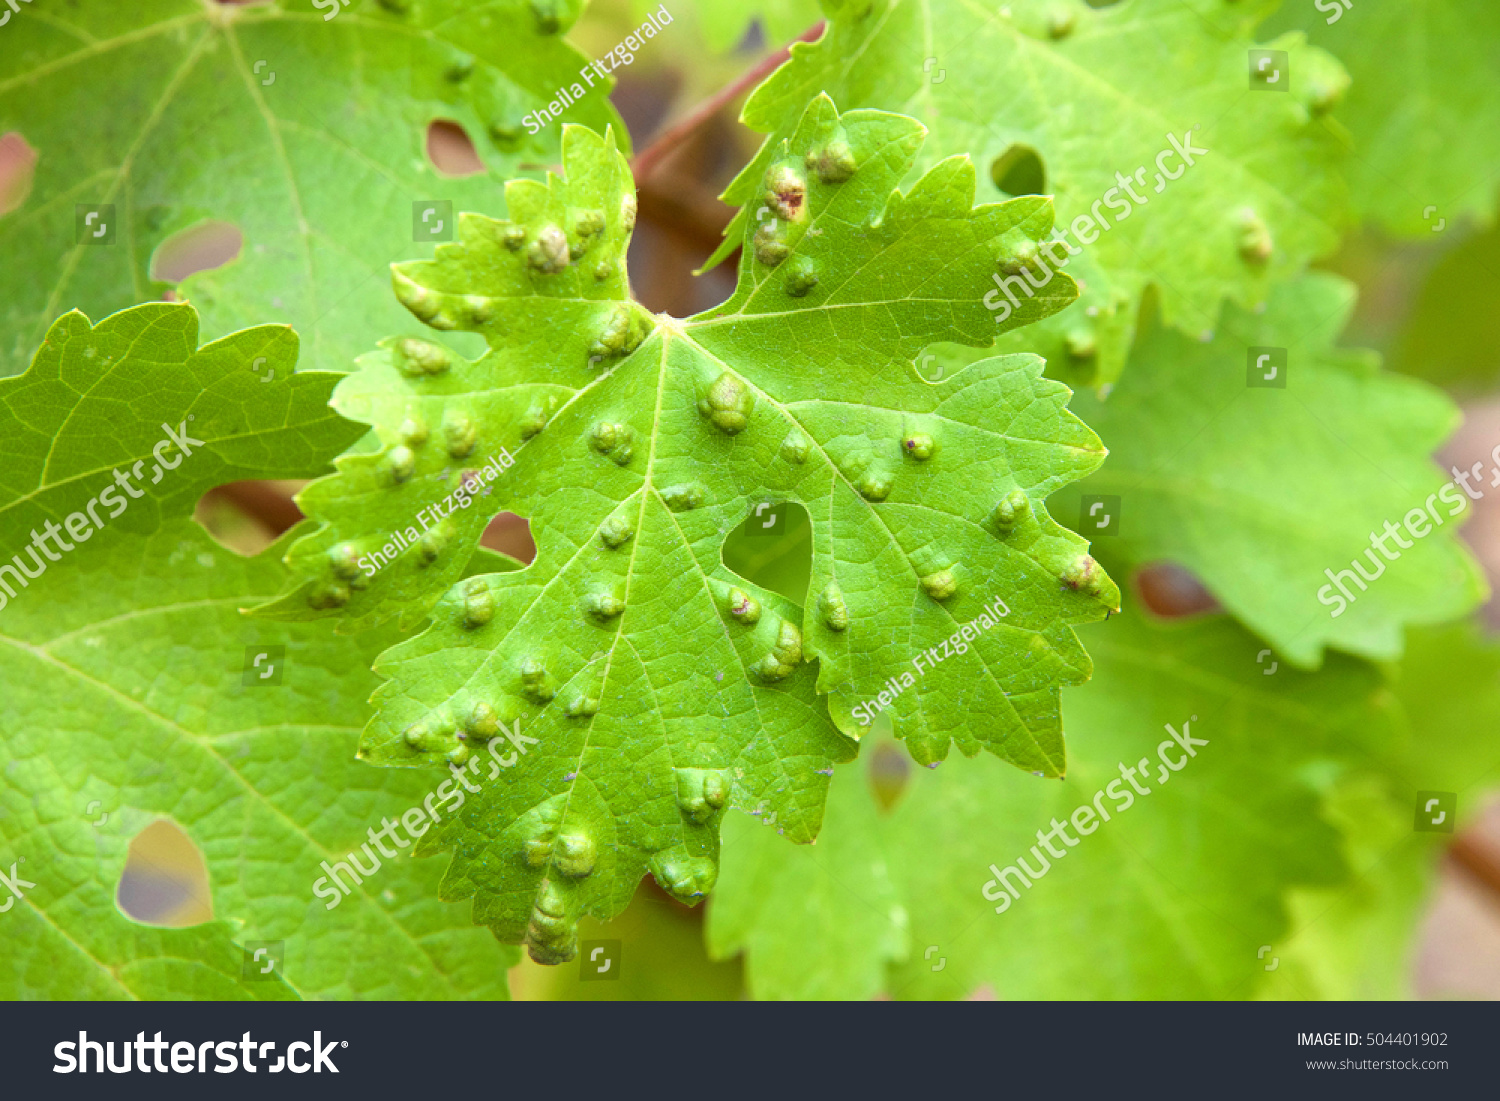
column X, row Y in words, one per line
column 648, row 159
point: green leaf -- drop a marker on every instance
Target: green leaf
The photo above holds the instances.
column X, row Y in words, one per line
column 136, row 394
column 304, row 125
column 661, row 687
column 1097, row 94
column 1423, row 106
column 125, row 666
column 1264, row 492
column 1170, row 898
column 1355, row 940
column 441, row 418
column 125, row 682
column 1358, row 941
column 845, row 880
column 66, row 941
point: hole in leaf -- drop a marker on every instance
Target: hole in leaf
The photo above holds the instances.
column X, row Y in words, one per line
column 247, row 517
column 165, row 881
column 17, row 167
column 201, row 247
column 890, row 767
column 772, row 548
column 1171, row 591
column 451, row 150
column 1019, row 171
column 510, row 534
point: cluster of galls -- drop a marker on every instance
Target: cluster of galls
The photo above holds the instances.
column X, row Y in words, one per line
column 569, row 854
column 454, row 740
column 459, row 435
column 727, row 405
column 785, row 654
column 345, row 578
column 1009, row 520
column 542, row 251
column 784, row 191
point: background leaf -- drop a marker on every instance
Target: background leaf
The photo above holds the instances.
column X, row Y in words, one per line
column 1262, row 492
column 1095, row 94
column 1423, row 106
column 129, row 687
column 1170, row 899
column 316, row 156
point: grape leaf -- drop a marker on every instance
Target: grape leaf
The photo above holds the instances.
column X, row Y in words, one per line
column 1264, row 492
column 845, row 880
column 1423, row 106
column 64, row 938
column 1357, row 941
column 304, row 125
column 126, row 692
column 660, row 686
column 1170, row 898
column 338, row 568
column 1097, row 95
column 136, row 394
column 126, row 670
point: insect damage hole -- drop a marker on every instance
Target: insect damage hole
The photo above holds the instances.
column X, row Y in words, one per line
column 17, row 168
column 1019, row 171
column 772, row 548
column 451, row 150
column 511, row 534
column 165, row 881
column 247, row 517
column 201, row 247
